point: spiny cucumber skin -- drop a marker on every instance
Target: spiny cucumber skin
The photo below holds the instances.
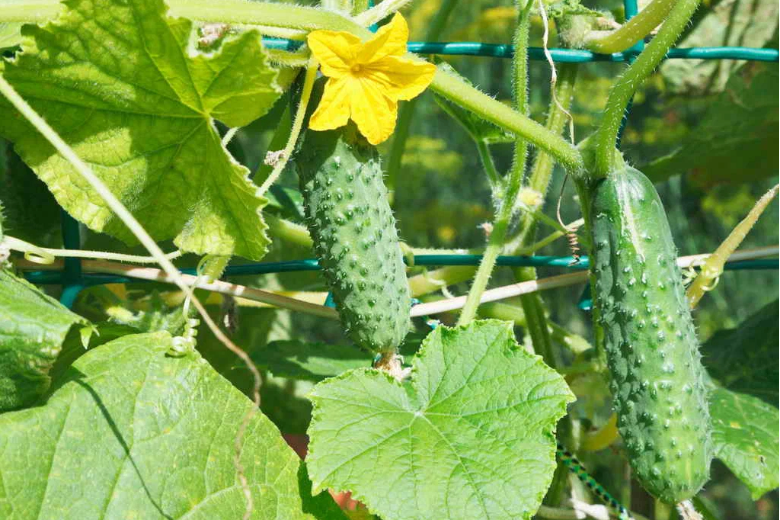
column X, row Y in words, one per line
column 355, row 238
column 651, row 345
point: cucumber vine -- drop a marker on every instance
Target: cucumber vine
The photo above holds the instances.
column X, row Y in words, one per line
column 415, row 418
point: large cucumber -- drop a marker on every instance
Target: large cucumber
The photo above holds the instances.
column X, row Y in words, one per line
column 355, row 238
column 652, row 351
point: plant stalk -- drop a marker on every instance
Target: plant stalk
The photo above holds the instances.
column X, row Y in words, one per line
column 634, row 29
column 626, row 85
column 497, row 238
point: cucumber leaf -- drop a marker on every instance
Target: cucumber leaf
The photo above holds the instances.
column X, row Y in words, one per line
column 471, row 436
column 744, row 410
column 745, row 436
column 10, row 34
column 130, row 429
column 125, row 86
column 745, row 359
column 733, row 23
column 33, row 327
column 736, row 140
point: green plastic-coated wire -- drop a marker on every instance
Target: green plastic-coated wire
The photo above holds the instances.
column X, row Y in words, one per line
column 576, row 467
column 73, row 280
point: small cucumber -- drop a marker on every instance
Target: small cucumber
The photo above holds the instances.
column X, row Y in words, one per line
column 650, row 341
column 355, row 238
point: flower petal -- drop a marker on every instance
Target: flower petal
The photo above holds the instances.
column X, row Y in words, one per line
column 335, row 50
column 333, row 110
column 374, row 113
column 401, row 78
column 390, row 40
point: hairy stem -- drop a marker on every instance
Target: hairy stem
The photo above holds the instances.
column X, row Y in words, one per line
column 380, row 12
column 625, row 86
column 458, row 91
column 490, row 167
column 358, row 6
column 633, row 30
column 514, row 180
column 300, row 115
column 713, row 266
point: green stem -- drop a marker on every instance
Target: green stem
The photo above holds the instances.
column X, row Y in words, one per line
column 520, row 82
column 713, row 266
column 458, row 91
column 280, row 137
column 490, row 167
column 539, row 180
column 503, row 311
column 634, row 76
column 286, row 16
column 300, row 115
column 401, row 133
column 288, row 231
column 541, row 171
column 514, row 180
column 494, row 247
column 633, row 30
column 380, row 12
column 358, row 6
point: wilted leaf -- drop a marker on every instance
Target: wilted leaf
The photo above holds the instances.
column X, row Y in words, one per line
column 471, row 436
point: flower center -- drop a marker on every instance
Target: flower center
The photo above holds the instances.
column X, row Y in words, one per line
column 356, row 68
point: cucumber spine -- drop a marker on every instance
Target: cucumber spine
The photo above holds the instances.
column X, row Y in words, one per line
column 657, row 379
column 355, row 237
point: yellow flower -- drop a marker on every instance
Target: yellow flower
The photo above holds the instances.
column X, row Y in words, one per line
column 366, row 80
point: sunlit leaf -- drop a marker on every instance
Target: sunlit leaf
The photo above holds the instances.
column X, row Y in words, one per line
column 470, row 436
column 133, row 432
column 123, row 85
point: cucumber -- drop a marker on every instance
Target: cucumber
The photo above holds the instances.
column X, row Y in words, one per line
column 657, row 379
column 355, row 237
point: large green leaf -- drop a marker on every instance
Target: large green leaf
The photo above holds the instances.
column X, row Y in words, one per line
column 125, row 87
column 133, row 433
column 745, row 359
column 737, row 139
column 471, row 436
column 745, row 436
column 33, row 327
column 744, row 411
column 728, row 23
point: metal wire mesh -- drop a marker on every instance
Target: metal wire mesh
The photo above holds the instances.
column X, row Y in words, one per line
column 73, row 280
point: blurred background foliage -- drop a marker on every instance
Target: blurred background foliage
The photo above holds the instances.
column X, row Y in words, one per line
column 706, row 131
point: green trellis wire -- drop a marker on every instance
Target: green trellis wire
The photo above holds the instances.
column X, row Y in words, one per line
column 74, row 281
